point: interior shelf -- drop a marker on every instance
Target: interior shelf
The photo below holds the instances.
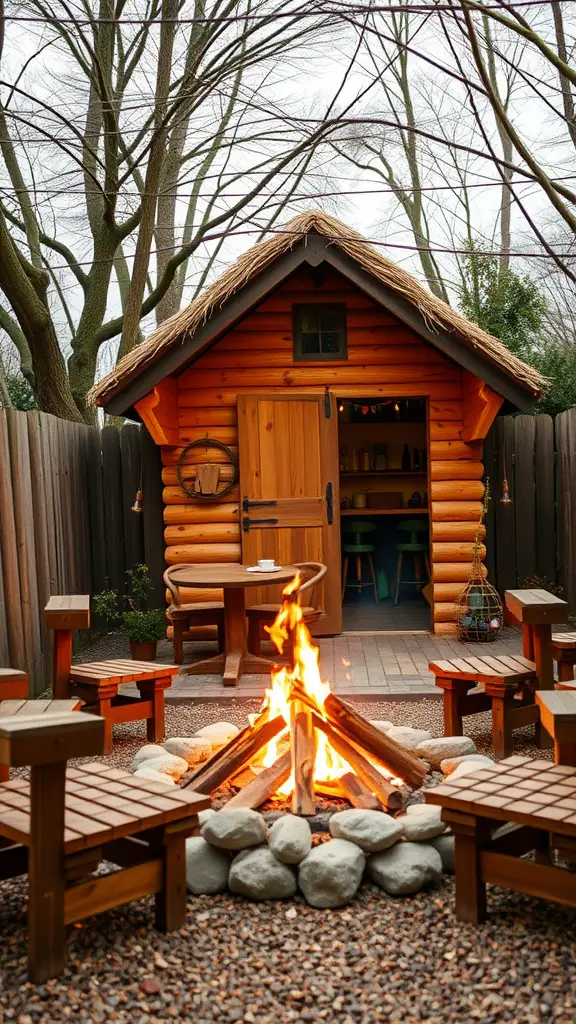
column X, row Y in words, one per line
column 383, row 472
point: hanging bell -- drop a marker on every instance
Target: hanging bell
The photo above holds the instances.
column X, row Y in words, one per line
column 137, row 506
column 505, row 499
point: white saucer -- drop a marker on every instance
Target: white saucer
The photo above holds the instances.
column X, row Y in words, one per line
column 256, row 568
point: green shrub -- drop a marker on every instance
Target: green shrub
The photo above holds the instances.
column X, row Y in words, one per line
column 143, row 627
column 129, row 611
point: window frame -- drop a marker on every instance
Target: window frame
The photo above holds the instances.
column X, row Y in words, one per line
column 298, row 310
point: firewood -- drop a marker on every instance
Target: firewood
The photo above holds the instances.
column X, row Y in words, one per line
column 264, row 784
column 226, row 762
column 357, row 792
column 330, row 787
column 303, row 747
column 389, row 796
column 384, row 750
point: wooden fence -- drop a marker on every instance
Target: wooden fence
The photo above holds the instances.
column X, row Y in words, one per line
column 536, row 533
column 66, row 524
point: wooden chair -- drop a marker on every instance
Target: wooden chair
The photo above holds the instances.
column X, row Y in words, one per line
column 96, row 683
column 504, row 685
column 261, row 615
column 58, row 825
column 183, row 617
column 564, row 653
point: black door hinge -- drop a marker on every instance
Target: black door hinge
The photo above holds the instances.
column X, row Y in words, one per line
column 329, row 503
column 248, row 503
column 247, row 523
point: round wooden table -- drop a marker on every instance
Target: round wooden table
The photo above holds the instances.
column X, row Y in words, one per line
column 233, row 579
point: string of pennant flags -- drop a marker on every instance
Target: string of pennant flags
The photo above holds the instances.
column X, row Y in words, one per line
column 372, row 408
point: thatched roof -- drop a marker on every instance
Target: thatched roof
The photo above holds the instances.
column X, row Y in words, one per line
column 437, row 314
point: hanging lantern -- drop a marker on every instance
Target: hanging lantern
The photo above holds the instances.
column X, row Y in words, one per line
column 505, row 499
column 479, row 609
column 137, row 506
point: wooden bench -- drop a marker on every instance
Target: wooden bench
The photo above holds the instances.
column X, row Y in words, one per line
column 558, row 716
column 13, row 684
column 96, row 683
column 19, row 708
column 500, row 813
column 564, row 653
column 59, row 825
column 504, row 685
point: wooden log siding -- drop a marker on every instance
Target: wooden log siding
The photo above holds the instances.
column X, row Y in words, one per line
column 384, row 359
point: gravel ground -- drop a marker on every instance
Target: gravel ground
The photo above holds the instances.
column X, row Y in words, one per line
column 380, row 959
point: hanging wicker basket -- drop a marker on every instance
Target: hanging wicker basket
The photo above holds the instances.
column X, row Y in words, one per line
column 480, row 616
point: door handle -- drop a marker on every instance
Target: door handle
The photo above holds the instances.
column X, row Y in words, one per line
column 329, row 503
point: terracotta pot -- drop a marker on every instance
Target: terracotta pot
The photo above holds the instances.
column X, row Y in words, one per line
column 144, row 651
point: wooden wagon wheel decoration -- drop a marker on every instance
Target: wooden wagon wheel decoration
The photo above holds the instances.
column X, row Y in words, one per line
column 208, row 479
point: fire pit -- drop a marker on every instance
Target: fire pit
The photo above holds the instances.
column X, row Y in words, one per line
column 306, row 743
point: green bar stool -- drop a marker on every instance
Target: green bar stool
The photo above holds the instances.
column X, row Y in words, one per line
column 413, row 546
column 358, row 529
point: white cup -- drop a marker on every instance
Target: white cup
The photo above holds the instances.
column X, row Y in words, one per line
column 266, row 564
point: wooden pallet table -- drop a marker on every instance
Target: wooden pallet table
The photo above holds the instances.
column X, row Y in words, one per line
column 503, row 685
column 501, row 812
column 59, row 825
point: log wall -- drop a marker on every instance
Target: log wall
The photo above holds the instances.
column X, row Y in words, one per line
column 384, row 359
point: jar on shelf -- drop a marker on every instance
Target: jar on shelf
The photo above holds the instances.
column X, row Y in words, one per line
column 366, row 461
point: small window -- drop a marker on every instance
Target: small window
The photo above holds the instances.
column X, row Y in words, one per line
column 319, row 332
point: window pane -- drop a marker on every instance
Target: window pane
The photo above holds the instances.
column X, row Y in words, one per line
column 310, row 343
column 330, row 341
column 310, row 321
column 330, row 320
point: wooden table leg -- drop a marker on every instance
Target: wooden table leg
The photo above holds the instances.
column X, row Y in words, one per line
column 153, row 690
column 501, row 726
column 453, row 725
column 527, row 641
column 542, row 639
column 234, row 633
column 46, row 934
column 170, row 902
column 62, row 663
column 565, row 669
column 469, row 834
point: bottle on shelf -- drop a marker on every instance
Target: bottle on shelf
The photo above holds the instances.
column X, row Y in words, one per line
column 366, row 461
column 406, row 467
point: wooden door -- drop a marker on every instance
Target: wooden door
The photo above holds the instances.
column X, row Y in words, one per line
column 290, row 509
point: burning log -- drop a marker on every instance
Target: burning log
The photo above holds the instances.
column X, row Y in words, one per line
column 357, row 792
column 303, row 747
column 330, row 787
column 264, row 785
column 386, row 751
column 237, row 752
column 389, row 796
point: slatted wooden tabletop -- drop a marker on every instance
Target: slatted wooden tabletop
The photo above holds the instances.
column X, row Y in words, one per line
column 9, row 708
column 529, row 792
column 101, row 804
column 120, row 671
column 485, row 668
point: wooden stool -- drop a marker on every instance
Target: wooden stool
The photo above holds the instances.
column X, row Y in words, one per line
column 97, row 682
column 504, row 685
column 26, row 708
column 61, row 823
column 13, row 684
column 261, row 615
column 358, row 528
column 420, row 551
column 558, row 716
column 538, row 611
column 564, row 652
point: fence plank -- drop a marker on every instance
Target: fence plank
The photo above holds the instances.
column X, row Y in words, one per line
column 153, row 518
column 96, row 527
column 39, row 470
column 131, row 453
column 505, row 524
column 113, row 517
column 566, row 446
column 524, row 498
column 545, row 498
column 11, row 569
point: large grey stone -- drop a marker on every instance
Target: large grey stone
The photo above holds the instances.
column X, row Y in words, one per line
column 235, row 829
column 407, row 737
column 445, row 847
column 218, row 734
column 449, row 764
column 169, row 765
column 331, row 873
column 421, row 822
column 382, row 724
column 258, row 875
column 370, row 830
column 194, row 749
column 290, row 839
column 146, row 772
column 207, row 868
column 406, row 868
column 467, row 767
column 146, row 753
column 436, row 751
column 204, row 815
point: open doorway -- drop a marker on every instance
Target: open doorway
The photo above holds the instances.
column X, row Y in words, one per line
column 383, row 458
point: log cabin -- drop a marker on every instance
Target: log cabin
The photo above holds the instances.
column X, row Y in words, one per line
column 348, row 394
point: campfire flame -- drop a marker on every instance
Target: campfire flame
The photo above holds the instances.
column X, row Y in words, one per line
column 301, row 679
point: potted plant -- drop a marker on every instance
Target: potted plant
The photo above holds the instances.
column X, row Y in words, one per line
column 143, row 626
